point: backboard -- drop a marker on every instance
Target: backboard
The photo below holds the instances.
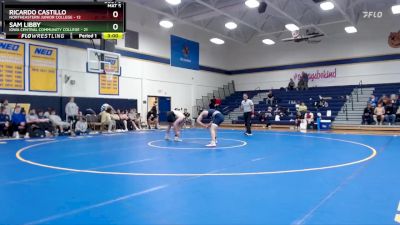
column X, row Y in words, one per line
column 103, row 62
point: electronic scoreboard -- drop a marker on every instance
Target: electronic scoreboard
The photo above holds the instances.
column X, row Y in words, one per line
column 63, row 20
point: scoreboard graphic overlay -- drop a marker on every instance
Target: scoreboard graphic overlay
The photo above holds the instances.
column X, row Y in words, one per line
column 64, row 20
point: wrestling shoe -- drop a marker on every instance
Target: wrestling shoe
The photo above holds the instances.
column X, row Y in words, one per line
column 212, row 144
column 177, row 139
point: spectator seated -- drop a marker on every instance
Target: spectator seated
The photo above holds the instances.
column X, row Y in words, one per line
column 38, row 126
column 388, row 96
column 81, row 126
column 18, row 121
column 5, row 123
column 59, row 125
column 368, row 115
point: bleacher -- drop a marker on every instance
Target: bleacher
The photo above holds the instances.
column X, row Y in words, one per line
column 286, row 99
column 234, row 100
column 386, row 89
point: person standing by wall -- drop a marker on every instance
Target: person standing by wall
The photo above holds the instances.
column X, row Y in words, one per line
column 71, row 112
column 152, row 117
column 305, row 80
column 291, row 85
column 247, row 107
column 300, row 84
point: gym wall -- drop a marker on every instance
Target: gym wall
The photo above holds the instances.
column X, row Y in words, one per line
column 343, row 52
column 140, row 77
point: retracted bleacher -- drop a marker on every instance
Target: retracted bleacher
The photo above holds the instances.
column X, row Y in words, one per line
column 286, row 100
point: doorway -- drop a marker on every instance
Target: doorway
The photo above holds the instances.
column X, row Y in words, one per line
column 163, row 105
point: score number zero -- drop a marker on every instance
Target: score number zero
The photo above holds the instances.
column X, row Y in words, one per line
column 115, row 15
column 114, row 27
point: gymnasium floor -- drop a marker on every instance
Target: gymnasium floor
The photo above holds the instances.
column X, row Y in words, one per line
column 138, row 178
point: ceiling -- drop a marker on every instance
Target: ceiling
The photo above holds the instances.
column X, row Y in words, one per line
column 211, row 16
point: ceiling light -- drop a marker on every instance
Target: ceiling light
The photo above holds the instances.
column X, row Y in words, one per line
column 350, row 29
column 396, row 9
column 327, row 5
column 217, row 41
column 252, row 3
column 231, row 25
column 166, row 24
column 268, row 42
column 292, row 27
column 173, row 2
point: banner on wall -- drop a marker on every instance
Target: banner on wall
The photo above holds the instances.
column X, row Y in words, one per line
column 184, row 53
column 108, row 86
column 12, row 65
column 42, row 68
column 319, row 74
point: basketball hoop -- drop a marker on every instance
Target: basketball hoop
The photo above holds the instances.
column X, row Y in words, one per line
column 103, row 62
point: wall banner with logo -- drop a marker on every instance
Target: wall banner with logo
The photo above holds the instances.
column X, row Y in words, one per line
column 318, row 74
column 184, row 53
column 12, row 65
column 43, row 66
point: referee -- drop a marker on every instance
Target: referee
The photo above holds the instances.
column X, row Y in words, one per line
column 247, row 107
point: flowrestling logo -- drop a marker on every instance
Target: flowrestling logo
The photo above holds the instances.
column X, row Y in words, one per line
column 372, row 14
column 317, row 75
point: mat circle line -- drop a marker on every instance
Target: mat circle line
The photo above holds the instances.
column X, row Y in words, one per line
column 243, row 143
column 371, row 156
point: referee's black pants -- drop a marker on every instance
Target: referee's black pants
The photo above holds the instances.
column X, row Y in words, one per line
column 247, row 121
